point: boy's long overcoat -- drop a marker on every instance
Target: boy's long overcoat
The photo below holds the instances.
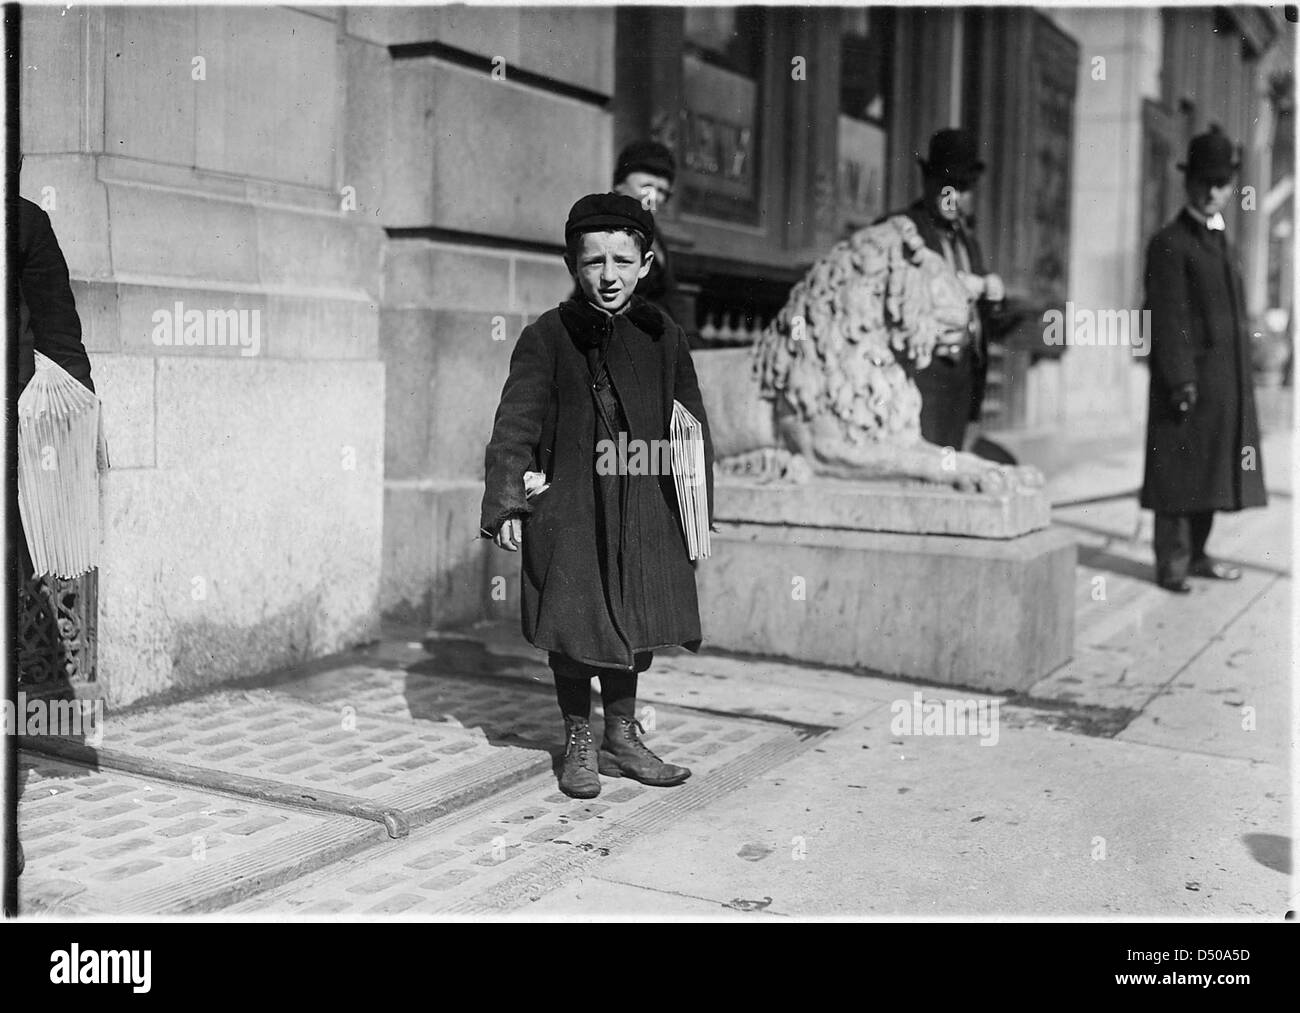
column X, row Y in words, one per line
column 568, row 603
column 1209, row 461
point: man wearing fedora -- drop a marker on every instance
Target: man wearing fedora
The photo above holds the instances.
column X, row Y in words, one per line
column 1202, row 448
column 952, row 386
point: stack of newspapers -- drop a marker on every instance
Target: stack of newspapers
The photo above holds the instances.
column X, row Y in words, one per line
column 687, row 439
column 61, row 452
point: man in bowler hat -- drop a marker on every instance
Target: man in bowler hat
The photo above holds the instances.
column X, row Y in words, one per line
column 1202, row 447
column 952, row 386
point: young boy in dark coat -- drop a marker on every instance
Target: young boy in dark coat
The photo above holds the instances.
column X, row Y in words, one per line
column 607, row 576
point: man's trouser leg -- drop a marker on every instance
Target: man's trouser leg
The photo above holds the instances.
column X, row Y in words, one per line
column 945, row 387
column 1173, row 545
column 1200, row 524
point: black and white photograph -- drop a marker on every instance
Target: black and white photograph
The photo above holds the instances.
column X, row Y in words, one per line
column 581, row 463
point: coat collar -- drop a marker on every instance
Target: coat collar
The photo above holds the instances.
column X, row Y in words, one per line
column 587, row 325
column 922, row 210
column 1203, row 236
column 929, row 231
column 932, row 229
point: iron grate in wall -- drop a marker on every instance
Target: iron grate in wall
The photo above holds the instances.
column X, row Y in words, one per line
column 57, row 632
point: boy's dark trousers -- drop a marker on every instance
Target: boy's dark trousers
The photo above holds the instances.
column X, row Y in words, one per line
column 617, row 686
column 1179, row 542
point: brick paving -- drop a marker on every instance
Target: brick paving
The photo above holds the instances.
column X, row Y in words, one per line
column 470, row 757
column 100, row 842
column 351, row 743
column 512, row 848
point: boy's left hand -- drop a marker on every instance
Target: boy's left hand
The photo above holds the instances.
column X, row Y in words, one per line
column 511, row 535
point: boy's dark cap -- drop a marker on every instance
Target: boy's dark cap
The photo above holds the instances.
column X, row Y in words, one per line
column 598, row 212
column 645, row 156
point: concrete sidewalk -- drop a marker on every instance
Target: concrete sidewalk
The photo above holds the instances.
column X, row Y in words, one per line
column 1149, row 776
column 1127, row 786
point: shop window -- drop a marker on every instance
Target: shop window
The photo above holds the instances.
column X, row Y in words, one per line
column 722, row 69
column 864, row 85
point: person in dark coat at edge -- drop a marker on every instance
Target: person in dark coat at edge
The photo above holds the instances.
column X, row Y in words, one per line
column 47, row 311
column 47, row 314
column 606, row 576
column 48, row 323
column 1202, row 447
column 952, row 386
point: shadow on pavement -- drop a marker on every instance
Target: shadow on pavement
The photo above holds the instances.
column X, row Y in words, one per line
column 494, row 693
column 1273, row 851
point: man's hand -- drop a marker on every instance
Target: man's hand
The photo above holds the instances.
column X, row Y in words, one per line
column 1182, row 400
column 973, row 284
column 511, row 535
column 994, row 290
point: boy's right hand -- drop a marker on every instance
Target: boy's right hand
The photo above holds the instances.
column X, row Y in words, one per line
column 511, row 535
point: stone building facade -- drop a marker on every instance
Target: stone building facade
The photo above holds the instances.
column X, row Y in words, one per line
column 194, row 156
column 385, row 187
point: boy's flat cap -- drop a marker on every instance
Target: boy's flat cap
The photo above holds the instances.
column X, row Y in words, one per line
column 601, row 211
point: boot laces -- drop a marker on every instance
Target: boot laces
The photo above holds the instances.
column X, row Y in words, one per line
column 579, row 737
column 632, row 727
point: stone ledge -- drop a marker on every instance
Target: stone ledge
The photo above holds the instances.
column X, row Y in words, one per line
column 117, row 315
column 995, row 615
column 214, row 184
column 863, row 506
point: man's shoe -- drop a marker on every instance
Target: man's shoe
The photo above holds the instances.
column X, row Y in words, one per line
column 1177, row 586
column 1214, row 570
column 623, row 754
column 578, row 777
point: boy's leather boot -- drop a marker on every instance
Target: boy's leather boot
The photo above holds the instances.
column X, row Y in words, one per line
column 578, row 777
column 623, row 754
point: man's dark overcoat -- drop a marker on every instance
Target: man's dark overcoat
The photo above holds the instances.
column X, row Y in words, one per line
column 1199, row 335
column 568, row 602
column 47, row 316
column 47, row 311
column 923, row 219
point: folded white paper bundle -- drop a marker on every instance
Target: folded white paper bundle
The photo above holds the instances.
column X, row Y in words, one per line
column 534, row 483
column 61, row 451
column 687, row 439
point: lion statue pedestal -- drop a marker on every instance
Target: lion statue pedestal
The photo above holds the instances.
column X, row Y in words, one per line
column 844, row 538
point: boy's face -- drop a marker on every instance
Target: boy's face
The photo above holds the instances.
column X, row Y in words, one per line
column 607, row 267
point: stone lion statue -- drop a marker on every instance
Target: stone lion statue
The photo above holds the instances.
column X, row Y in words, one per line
column 828, row 369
